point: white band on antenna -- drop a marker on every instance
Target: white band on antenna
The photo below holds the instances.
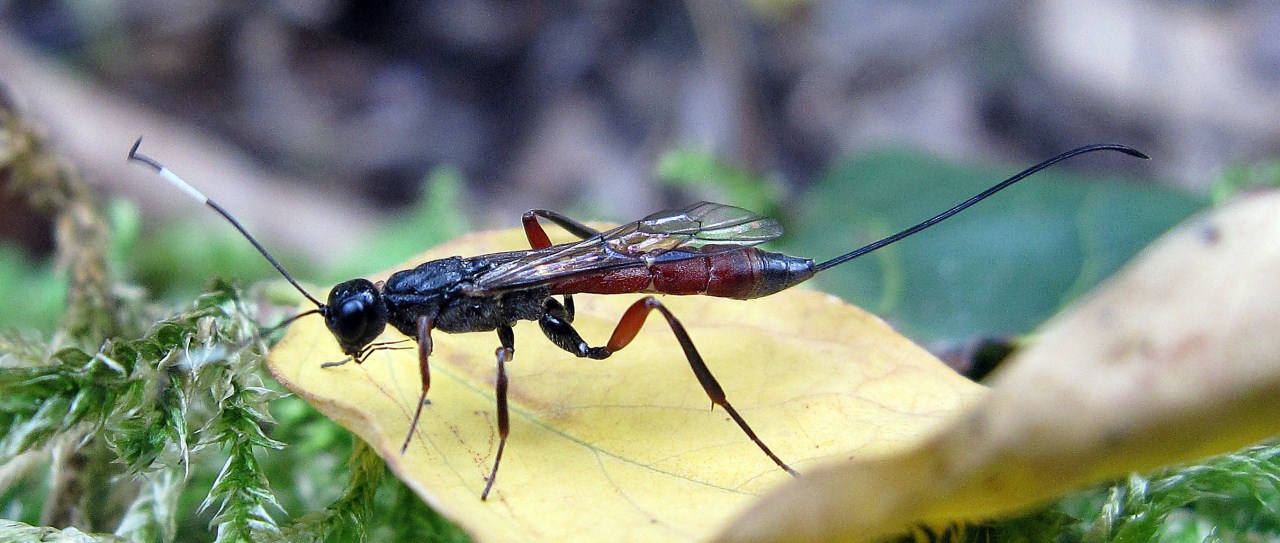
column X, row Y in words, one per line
column 186, row 187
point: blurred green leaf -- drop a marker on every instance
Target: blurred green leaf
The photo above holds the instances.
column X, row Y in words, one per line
column 999, row 268
column 440, row 215
column 126, row 228
column 41, row 289
column 1244, row 177
column 738, row 186
column 173, row 261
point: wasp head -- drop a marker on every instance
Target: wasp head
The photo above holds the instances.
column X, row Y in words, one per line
column 355, row 315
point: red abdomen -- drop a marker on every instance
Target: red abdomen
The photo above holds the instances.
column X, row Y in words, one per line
column 742, row 274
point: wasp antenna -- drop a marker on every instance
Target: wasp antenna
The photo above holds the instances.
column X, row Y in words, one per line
column 173, row 178
column 978, row 198
column 290, row 320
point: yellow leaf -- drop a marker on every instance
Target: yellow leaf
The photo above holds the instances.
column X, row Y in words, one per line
column 1175, row 358
column 628, row 448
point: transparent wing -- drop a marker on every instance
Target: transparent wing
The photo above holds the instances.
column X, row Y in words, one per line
column 704, row 227
column 700, row 229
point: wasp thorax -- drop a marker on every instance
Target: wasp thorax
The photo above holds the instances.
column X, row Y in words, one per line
column 356, row 314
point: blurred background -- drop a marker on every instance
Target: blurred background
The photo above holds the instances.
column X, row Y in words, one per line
column 324, row 123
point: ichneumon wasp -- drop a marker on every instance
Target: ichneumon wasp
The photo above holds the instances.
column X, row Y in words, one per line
column 703, row 249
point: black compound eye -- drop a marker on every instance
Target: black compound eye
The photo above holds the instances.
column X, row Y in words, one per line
column 351, row 318
column 356, row 315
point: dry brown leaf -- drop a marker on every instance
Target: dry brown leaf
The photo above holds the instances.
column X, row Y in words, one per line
column 628, row 448
column 1175, row 358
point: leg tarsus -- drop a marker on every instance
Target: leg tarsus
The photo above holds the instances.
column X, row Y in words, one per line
column 503, row 354
column 703, row 373
column 424, row 355
column 364, row 353
column 336, row 364
column 417, row 413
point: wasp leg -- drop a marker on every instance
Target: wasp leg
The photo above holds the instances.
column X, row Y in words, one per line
column 538, row 237
column 360, row 357
column 504, row 354
column 338, row 363
column 424, row 354
column 561, row 332
column 557, row 325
